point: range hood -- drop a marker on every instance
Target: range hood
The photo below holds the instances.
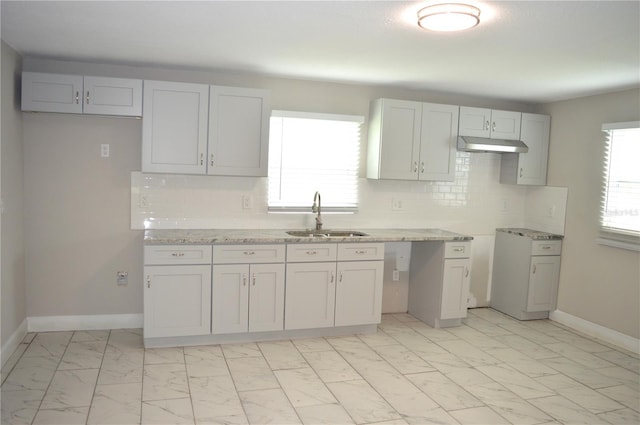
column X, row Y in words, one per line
column 481, row 144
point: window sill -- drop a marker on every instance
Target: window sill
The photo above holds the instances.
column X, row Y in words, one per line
column 619, row 244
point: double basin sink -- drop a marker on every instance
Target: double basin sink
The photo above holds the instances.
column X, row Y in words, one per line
column 326, row 233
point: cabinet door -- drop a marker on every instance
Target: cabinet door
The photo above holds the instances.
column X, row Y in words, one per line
column 400, row 139
column 438, row 142
column 238, row 131
column 532, row 166
column 230, row 298
column 505, row 125
column 266, row 297
column 359, row 293
column 310, row 295
column 455, row 288
column 174, row 127
column 543, row 283
column 51, row 92
column 475, row 122
column 112, row 96
column 177, row 301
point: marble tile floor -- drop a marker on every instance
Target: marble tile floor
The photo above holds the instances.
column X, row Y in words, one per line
column 491, row 370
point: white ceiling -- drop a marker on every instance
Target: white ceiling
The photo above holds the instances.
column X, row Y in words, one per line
column 532, row 51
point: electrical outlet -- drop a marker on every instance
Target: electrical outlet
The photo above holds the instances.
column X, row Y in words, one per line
column 396, row 275
column 397, row 204
column 551, row 211
column 144, row 201
column 104, row 150
column 122, row 278
column 247, row 202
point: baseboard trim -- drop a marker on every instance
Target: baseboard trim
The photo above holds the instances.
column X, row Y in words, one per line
column 597, row 331
column 84, row 323
column 14, row 340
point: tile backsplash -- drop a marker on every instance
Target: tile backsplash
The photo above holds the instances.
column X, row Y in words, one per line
column 475, row 203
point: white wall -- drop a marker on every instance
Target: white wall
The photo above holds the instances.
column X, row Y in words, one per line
column 599, row 284
column 12, row 287
column 76, row 204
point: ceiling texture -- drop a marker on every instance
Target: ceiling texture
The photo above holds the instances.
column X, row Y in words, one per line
column 529, row 51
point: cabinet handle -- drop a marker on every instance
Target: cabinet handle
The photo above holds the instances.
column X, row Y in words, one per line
column 422, row 167
column 332, row 277
column 360, row 251
column 77, row 97
column 415, row 166
column 201, row 159
column 521, row 171
column 249, row 253
column 178, row 254
column 312, row 252
column 486, row 125
column 253, row 279
column 87, row 97
column 493, row 126
column 211, row 159
column 148, row 281
column 466, row 274
column 340, row 276
column 458, row 249
column 244, row 280
column 546, row 247
column 534, row 269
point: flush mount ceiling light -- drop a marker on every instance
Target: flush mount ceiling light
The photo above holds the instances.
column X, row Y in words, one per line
column 448, row 17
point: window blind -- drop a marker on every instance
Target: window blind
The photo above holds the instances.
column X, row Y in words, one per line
column 620, row 194
column 311, row 152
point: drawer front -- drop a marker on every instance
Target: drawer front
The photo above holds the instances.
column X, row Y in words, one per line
column 360, row 251
column 457, row 249
column 177, row 254
column 546, row 247
column 244, row 254
column 305, row 253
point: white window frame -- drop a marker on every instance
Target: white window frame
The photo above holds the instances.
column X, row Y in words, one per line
column 336, row 198
column 609, row 234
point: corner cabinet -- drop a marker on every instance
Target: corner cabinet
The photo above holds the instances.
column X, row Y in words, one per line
column 177, row 290
column 439, row 285
column 529, row 168
column 490, row 123
column 526, row 273
column 77, row 94
column 412, row 140
column 200, row 129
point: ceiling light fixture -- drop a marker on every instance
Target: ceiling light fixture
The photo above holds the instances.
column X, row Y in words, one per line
column 448, row 17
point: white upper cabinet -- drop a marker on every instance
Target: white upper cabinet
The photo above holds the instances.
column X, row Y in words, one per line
column 174, row 127
column 76, row 94
column 529, row 168
column 412, row 140
column 495, row 124
column 238, row 131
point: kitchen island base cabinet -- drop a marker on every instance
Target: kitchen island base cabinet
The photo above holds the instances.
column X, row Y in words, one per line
column 439, row 284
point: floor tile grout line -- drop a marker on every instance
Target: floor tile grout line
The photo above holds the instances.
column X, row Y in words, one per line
column 95, row 387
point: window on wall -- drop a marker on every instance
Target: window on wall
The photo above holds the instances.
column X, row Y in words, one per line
column 311, row 153
column 620, row 203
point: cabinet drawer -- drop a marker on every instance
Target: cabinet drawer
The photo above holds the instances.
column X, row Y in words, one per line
column 304, row 253
column 457, row 249
column 360, row 251
column 177, row 254
column 239, row 254
column 546, row 247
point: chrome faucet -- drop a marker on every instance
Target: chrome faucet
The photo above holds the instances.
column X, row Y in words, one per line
column 317, row 208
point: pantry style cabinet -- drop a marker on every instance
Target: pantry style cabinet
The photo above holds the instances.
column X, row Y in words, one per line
column 412, row 140
column 529, row 168
column 489, row 123
column 177, row 290
column 200, row 129
column 77, row 94
column 439, row 285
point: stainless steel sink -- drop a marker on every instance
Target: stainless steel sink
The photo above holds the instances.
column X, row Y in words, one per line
column 326, row 233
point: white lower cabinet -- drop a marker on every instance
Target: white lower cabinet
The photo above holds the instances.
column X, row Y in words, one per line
column 439, row 283
column 177, row 291
column 543, row 283
column 325, row 293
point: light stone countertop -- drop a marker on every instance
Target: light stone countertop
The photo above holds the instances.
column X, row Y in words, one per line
column 529, row 233
column 228, row 236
